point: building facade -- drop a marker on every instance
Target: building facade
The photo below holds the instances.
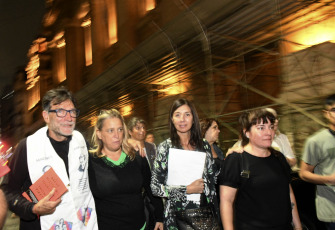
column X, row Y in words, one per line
column 139, row 55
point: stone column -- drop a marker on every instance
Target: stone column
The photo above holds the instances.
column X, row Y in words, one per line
column 58, row 64
column 128, row 16
column 99, row 35
column 75, row 56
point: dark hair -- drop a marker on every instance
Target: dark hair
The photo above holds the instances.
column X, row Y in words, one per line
column 248, row 119
column 57, row 96
column 195, row 139
column 205, row 124
column 134, row 121
column 149, row 133
column 330, row 100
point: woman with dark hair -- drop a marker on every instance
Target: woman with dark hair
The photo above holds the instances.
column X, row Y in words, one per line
column 255, row 186
column 117, row 176
column 185, row 134
column 210, row 131
column 137, row 129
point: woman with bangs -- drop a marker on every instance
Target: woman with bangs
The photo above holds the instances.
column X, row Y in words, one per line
column 255, row 188
column 182, row 213
column 117, row 176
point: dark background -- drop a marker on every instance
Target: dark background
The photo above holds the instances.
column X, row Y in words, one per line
column 20, row 22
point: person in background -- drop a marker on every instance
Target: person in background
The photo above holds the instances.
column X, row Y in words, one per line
column 57, row 145
column 137, row 131
column 150, row 138
column 318, row 165
column 210, row 131
column 117, row 176
column 281, row 142
column 255, row 186
column 185, row 134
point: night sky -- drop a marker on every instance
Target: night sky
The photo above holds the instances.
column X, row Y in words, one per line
column 20, row 23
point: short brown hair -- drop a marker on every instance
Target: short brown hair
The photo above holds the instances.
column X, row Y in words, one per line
column 248, row 119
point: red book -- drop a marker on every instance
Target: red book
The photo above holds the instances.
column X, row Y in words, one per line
column 4, row 169
column 43, row 187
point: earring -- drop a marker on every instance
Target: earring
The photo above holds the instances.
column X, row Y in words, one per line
column 247, row 136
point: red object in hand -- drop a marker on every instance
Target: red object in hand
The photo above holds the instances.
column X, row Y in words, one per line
column 4, row 169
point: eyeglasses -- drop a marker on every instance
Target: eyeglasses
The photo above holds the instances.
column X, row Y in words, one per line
column 74, row 113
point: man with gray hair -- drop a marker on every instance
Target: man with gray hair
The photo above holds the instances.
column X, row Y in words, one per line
column 57, row 146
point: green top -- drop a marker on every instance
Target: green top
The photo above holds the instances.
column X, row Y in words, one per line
column 120, row 160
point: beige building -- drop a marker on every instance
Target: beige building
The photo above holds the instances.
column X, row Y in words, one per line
column 227, row 56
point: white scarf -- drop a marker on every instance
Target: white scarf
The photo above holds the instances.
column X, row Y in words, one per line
column 77, row 209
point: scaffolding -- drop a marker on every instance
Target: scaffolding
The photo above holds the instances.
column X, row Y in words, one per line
column 227, row 57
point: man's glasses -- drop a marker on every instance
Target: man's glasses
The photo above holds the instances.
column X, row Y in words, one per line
column 74, row 113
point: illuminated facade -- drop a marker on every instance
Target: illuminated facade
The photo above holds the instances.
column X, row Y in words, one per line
column 140, row 55
column 77, row 45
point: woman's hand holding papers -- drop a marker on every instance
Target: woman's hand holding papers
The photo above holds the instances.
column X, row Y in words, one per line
column 195, row 187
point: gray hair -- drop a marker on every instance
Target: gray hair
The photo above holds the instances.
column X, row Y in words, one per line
column 57, row 96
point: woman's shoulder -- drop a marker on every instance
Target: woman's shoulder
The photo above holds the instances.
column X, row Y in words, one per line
column 232, row 165
column 94, row 162
column 148, row 145
column 142, row 162
column 235, row 156
column 280, row 157
column 93, row 157
column 139, row 158
column 276, row 153
column 206, row 145
column 165, row 144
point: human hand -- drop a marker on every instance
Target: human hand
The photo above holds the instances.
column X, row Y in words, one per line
column 137, row 146
column 45, row 206
column 158, row 226
column 196, row 186
column 235, row 149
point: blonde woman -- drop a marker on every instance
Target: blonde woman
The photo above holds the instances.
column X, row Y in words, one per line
column 117, row 176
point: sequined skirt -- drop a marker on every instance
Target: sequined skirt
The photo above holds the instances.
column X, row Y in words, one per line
column 201, row 218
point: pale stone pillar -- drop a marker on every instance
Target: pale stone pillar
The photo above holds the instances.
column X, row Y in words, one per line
column 58, row 64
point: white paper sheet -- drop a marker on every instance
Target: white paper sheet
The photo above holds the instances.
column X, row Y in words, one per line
column 184, row 167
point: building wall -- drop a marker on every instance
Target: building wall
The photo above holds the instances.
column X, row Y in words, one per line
column 309, row 79
column 165, row 53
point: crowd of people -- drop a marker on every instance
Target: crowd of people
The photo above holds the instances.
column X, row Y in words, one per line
column 123, row 181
